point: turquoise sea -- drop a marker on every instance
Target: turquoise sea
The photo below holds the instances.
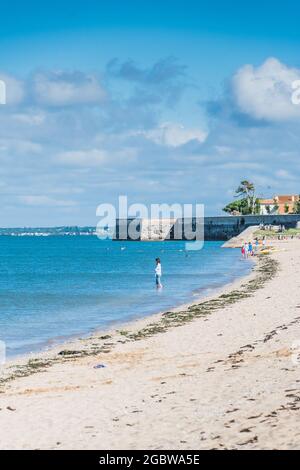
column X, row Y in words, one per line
column 52, row 288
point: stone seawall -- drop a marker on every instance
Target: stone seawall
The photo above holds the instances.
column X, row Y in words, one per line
column 214, row 228
column 224, row 228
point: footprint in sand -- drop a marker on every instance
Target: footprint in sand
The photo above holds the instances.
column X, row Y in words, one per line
column 10, row 408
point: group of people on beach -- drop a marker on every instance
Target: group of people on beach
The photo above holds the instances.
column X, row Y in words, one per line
column 251, row 249
column 247, row 250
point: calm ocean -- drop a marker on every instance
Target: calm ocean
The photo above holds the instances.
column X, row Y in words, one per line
column 56, row 287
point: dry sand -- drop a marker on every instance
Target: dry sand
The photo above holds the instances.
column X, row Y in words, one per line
column 227, row 376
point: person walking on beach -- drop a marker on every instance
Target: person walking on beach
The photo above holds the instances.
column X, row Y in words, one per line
column 158, row 273
column 246, row 250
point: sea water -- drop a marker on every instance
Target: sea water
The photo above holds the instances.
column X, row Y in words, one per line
column 52, row 288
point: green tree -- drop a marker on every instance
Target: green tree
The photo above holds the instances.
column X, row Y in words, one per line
column 297, row 207
column 241, row 206
column 247, row 189
column 247, row 203
column 276, row 206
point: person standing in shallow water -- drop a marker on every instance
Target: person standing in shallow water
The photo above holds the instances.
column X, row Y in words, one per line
column 158, row 273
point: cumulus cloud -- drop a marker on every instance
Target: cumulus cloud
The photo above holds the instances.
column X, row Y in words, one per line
column 164, row 81
column 67, row 88
column 46, row 201
column 31, row 118
column 85, row 158
column 20, row 146
column 164, row 70
column 173, row 134
column 265, row 92
column 65, row 146
column 95, row 157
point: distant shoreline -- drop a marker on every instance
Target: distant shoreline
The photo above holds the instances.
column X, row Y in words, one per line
column 222, row 227
column 49, row 231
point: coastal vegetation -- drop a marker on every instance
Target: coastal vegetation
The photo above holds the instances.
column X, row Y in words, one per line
column 246, row 203
column 291, row 232
column 297, row 206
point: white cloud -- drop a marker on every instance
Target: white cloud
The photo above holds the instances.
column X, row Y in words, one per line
column 265, row 92
column 96, row 157
column 31, row 118
column 20, row 146
column 92, row 157
column 174, row 134
column 53, row 157
column 65, row 89
column 285, row 175
column 45, row 201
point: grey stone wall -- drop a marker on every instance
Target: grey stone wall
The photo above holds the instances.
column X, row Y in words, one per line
column 215, row 228
column 224, row 228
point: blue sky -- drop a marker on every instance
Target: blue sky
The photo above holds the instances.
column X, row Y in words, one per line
column 163, row 101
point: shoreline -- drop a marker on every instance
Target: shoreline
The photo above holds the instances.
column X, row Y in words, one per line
column 220, row 374
column 134, row 322
column 75, row 341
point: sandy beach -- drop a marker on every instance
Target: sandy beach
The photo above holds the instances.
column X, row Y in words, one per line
column 223, row 373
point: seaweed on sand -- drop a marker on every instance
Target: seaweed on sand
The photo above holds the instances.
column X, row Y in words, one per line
column 33, row 366
column 265, row 269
